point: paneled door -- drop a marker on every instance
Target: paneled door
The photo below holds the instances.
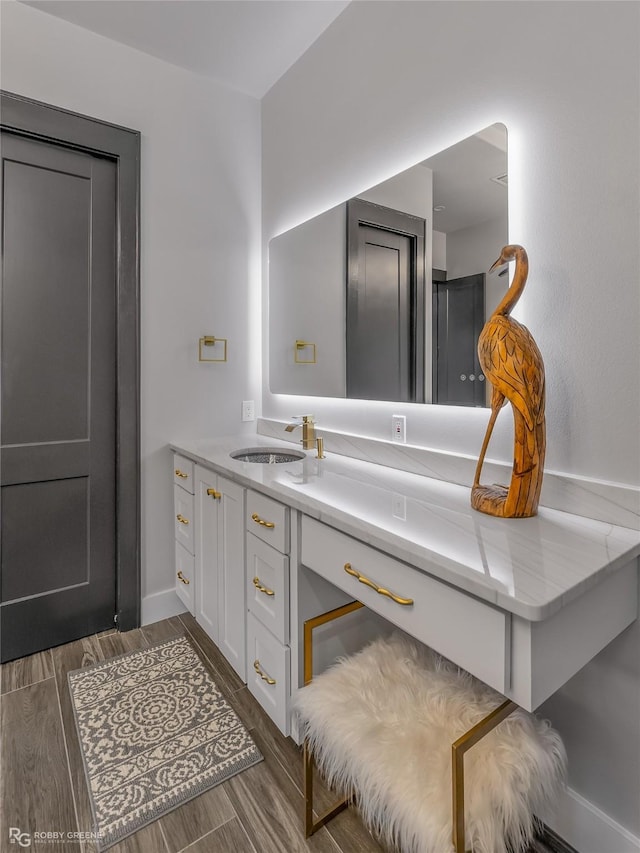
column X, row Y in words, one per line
column 385, row 304
column 58, row 417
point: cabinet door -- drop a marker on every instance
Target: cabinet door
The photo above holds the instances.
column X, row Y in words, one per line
column 268, row 587
column 207, row 568
column 184, row 577
column 231, row 589
column 268, row 673
column 183, row 521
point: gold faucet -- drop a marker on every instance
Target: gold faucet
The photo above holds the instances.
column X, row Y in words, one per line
column 308, row 431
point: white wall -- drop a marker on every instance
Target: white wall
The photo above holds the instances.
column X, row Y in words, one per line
column 306, row 302
column 473, row 250
column 571, row 112
column 200, row 235
column 378, row 92
column 439, row 250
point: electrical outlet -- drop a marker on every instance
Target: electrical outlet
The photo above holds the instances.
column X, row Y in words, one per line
column 399, row 428
column 248, row 410
column 399, row 507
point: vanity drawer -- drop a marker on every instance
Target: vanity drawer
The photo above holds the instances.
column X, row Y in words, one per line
column 472, row 634
column 268, row 520
column 268, row 587
column 183, row 472
column 185, row 576
column 268, row 672
column 183, row 518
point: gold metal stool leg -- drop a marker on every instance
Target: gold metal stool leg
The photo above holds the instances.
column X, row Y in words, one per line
column 458, row 749
column 311, row 826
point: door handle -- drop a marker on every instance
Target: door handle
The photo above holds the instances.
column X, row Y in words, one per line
column 374, row 586
column 260, row 588
column 256, row 666
column 261, row 521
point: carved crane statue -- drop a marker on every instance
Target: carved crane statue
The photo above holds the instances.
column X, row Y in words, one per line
column 512, row 363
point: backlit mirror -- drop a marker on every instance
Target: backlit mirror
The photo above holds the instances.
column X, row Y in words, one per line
column 383, row 297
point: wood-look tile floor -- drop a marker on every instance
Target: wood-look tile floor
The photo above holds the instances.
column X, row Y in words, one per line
column 43, row 788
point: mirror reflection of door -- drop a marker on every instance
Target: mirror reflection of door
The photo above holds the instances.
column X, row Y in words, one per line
column 385, row 304
column 458, row 318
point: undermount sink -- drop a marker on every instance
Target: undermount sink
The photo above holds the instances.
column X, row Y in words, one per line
column 266, row 455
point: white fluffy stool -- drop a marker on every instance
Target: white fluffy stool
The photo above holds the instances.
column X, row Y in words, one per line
column 381, row 724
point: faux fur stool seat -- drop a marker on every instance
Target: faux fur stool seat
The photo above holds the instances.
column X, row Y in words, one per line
column 380, row 725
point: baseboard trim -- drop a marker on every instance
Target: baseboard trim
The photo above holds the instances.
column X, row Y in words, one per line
column 553, row 842
column 578, row 825
column 161, row 605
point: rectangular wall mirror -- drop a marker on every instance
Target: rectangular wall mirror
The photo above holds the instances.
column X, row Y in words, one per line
column 383, row 296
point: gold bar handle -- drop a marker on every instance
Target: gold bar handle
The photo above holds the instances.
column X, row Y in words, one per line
column 260, row 588
column 182, row 579
column 379, row 589
column 214, row 494
column 180, row 473
column 182, row 519
column 261, row 521
column 256, row 666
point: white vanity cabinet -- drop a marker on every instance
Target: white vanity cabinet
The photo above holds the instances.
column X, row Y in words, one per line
column 184, row 524
column 521, row 604
column 267, row 592
column 220, row 606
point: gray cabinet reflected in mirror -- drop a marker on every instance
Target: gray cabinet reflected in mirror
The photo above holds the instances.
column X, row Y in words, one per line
column 383, row 297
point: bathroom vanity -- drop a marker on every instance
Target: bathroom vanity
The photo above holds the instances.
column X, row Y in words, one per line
column 522, row 604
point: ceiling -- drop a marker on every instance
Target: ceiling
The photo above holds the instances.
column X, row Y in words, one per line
column 245, row 44
column 464, row 182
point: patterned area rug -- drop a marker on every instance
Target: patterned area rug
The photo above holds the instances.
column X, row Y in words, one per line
column 155, row 731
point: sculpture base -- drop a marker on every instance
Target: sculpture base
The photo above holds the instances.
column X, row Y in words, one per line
column 493, row 500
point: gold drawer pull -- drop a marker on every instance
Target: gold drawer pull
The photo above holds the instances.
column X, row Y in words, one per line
column 182, row 519
column 256, row 666
column 182, row 579
column 261, row 521
column 181, row 474
column 213, row 494
column 379, row 589
column 260, row 588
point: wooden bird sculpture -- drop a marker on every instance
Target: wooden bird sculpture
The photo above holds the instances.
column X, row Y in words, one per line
column 512, row 363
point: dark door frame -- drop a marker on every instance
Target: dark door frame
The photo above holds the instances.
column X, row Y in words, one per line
column 361, row 212
column 40, row 121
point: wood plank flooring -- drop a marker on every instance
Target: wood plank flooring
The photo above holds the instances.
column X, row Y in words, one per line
column 42, row 782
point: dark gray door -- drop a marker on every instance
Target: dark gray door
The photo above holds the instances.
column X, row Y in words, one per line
column 57, row 422
column 377, row 337
column 458, row 318
column 385, row 292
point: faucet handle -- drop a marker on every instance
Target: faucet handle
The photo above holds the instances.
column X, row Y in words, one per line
column 303, row 419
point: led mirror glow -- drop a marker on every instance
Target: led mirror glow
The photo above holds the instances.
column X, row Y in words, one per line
column 459, row 199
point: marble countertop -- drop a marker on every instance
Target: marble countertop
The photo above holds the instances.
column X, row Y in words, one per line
column 532, row 567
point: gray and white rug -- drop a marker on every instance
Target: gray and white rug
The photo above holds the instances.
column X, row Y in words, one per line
column 155, row 731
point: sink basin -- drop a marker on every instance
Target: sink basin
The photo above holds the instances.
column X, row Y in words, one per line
column 266, row 455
